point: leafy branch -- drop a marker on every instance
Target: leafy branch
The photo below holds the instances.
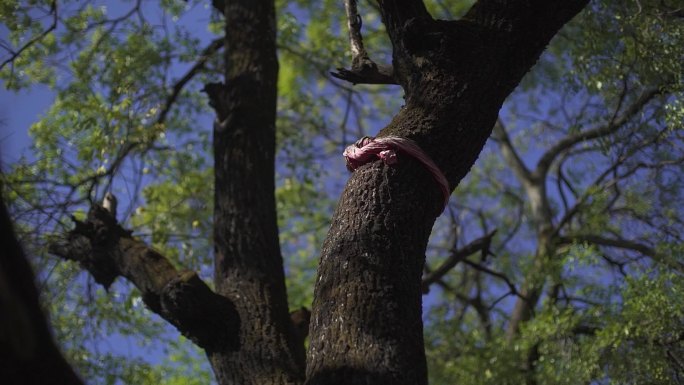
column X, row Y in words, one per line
column 35, row 39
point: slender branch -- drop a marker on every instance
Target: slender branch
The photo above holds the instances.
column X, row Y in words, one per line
column 481, row 244
column 35, row 39
column 363, row 69
column 509, row 153
column 354, row 22
column 533, row 184
column 496, row 274
column 562, row 181
column 613, row 126
column 108, row 251
column 601, row 182
column 194, row 70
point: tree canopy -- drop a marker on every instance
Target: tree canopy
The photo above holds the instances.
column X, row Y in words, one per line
column 558, row 260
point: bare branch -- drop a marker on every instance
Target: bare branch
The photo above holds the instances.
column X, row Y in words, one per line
column 509, row 153
column 481, row 244
column 107, row 251
column 496, row 274
column 613, row 126
column 563, row 182
column 354, row 22
column 198, row 66
column 600, row 180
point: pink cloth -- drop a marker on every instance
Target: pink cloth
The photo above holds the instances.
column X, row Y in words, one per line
column 368, row 149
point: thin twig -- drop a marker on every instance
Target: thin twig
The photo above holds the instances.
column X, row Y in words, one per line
column 178, row 87
column 481, row 244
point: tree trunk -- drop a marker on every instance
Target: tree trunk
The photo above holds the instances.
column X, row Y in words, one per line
column 366, row 323
column 248, row 263
column 28, row 354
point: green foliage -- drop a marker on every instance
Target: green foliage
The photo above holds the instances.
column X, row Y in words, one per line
column 111, row 68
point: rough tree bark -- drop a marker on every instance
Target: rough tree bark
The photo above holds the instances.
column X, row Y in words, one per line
column 366, row 325
column 366, row 322
column 248, row 264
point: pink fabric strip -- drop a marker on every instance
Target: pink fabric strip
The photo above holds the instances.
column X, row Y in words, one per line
column 367, row 149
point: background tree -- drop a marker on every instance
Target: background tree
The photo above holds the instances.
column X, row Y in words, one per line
column 124, row 119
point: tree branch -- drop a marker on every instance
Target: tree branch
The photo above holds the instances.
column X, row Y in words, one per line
column 219, row 5
column 35, row 39
column 199, row 65
column 363, row 70
column 623, row 244
column 522, row 16
column 481, row 244
column 509, row 153
column 107, row 251
column 370, row 73
column 354, row 22
column 599, row 180
column 613, row 126
column 533, row 184
column 496, row 274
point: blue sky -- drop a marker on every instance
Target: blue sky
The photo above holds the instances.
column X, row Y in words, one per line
column 19, row 110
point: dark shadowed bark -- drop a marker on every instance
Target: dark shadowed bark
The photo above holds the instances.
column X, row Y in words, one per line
column 366, row 322
column 28, row 354
column 248, row 263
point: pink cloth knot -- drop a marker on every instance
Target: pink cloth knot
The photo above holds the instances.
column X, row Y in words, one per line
column 368, row 149
column 388, row 156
